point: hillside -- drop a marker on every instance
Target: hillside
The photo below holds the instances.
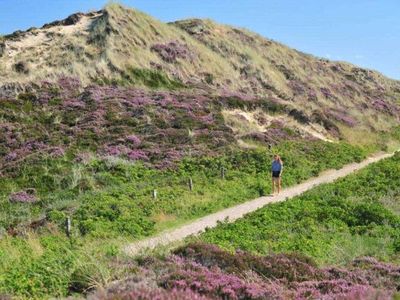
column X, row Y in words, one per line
column 127, row 127
column 124, row 47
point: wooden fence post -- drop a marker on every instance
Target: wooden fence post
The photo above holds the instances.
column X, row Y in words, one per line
column 223, row 173
column 68, row 227
column 191, row 183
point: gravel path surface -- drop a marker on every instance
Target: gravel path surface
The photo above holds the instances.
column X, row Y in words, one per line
column 233, row 213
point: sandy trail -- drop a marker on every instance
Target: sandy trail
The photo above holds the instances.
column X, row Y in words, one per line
column 233, row 213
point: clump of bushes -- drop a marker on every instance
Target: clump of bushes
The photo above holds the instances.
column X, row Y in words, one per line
column 172, row 51
column 112, row 195
column 289, row 267
column 27, row 196
column 342, row 116
column 386, row 107
column 347, row 212
column 203, row 270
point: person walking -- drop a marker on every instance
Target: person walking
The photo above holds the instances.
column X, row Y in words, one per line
column 277, row 168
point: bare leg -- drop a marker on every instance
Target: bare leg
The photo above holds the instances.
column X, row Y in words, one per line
column 273, row 186
column 279, row 185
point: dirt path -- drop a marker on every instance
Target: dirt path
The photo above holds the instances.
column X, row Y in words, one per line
column 233, row 213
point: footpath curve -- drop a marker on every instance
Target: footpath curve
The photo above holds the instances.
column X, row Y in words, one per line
column 235, row 212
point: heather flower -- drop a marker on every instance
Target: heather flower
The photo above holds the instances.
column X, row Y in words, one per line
column 386, row 107
column 56, row 152
column 338, row 289
column 344, row 90
column 69, row 83
column 203, row 271
column 146, row 293
column 116, row 150
column 327, row 93
column 213, row 282
column 343, row 117
column 227, row 93
column 27, row 196
column 73, row 104
column 208, row 119
column 34, row 145
column 312, row 95
column 200, row 132
column 271, row 136
column 172, row 51
column 137, row 155
column 174, row 155
column 11, row 156
column 134, row 140
column 297, row 87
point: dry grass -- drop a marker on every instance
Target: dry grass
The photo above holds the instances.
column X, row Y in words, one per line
column 162, row 217
column 243, row 122
column 108, row 44
column 361, row 137
column 47, row 52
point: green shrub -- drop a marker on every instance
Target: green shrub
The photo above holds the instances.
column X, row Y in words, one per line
column 345, row 215
column 147, row 77
column 29, row 274
column 113, row 197
column 119, row 203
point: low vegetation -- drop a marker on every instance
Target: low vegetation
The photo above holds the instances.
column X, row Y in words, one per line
column 113, row 196
column 203, row 271
column 100, row 161
column 333, row 223
column 110, row 200
column 143, row 77
column 325, row 244
column 122, row 46
column 158, row 124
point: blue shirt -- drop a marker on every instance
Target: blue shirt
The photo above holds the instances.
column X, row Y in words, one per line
column 276, row 166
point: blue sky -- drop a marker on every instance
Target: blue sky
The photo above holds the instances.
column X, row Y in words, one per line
column 364, row 32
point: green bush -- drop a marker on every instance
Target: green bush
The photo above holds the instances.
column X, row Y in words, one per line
column 113, row 197
column 29, row 274
column 346, row 215
column 112, row 214
column 147, row 77
column 118, row 202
